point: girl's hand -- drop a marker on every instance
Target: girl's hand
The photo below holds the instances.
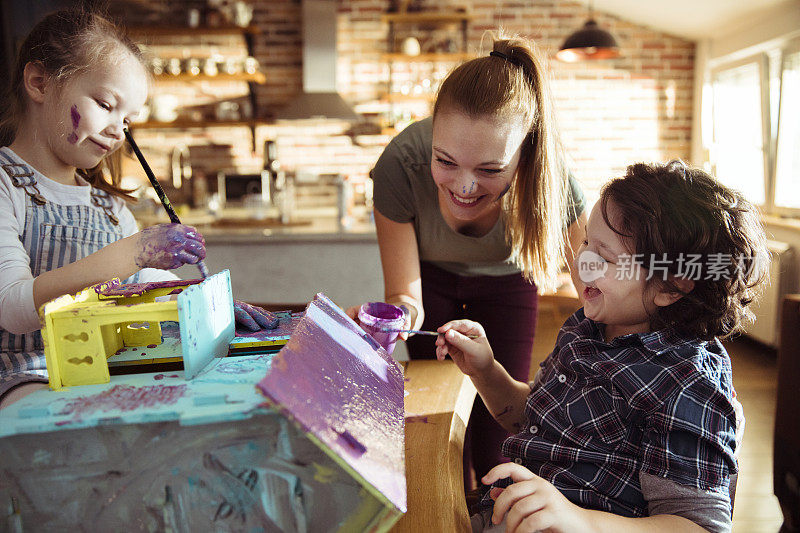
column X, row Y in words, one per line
column 168, row 246
column 532, row 503
column 253, row 318
column 471, row 355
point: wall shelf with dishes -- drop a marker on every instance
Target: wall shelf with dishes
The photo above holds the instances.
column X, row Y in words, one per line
column 421, row 48
column 188, row 55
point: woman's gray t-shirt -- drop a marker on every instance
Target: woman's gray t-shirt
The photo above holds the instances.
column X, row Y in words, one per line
column 404, row 191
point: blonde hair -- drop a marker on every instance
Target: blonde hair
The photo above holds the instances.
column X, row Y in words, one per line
column 68, row 43
column 511, row 84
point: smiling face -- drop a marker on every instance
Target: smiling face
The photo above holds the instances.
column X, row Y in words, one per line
column 617, row 293
column 88, row 113
column 474, row 161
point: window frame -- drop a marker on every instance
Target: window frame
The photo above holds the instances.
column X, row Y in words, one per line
column 761, row 61
column 789, row 48
column 779, row 51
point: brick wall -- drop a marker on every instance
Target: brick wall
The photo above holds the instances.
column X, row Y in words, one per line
column 611, row 113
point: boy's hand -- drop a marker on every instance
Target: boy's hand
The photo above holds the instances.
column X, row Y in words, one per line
column 472, row 355
column 532, row 503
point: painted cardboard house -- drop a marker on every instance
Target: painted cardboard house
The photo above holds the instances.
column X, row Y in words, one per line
column 307, row 439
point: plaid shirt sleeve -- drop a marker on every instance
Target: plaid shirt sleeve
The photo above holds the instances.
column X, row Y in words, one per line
column 691, row 438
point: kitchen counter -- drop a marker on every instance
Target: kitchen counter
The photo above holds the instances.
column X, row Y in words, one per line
column 288, row 264
column 240, row 226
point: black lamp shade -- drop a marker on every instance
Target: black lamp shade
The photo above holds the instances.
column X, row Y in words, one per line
column 589, row 42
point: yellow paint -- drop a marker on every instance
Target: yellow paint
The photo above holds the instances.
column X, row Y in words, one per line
column 80, row 332
column 323, row 474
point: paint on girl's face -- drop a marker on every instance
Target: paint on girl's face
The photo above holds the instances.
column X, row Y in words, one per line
column 76, row 117
column 76, row 120
column 471, row 187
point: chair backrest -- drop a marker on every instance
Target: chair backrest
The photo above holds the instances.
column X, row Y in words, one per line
column 786, row 470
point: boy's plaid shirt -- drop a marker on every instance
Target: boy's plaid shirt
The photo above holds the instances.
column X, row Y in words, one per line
column 599, row 413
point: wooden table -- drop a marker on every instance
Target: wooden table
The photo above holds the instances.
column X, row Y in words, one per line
column 438, row 403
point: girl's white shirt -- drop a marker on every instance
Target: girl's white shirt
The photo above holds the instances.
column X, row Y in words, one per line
column 17, row 311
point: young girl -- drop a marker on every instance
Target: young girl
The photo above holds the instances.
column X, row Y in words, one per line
column 630, row 422
column 64, row 224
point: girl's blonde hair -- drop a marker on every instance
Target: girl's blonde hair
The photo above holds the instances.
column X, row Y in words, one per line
column 68, row 43
column 511, row 84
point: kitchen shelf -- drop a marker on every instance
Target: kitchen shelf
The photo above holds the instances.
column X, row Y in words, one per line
column 186, row 124
column 439, row 57
column 444, row 39
column 423, row 17
column 248, row 33
column 400, row 97
column 256, row 77
column 147, row 31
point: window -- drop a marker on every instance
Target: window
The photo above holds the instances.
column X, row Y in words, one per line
column 738, row 149
column 787, row 158
column 755, row 127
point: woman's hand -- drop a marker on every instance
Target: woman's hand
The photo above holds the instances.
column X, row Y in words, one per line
column 472, row 355
column 352, row 312
column 168, row 246
column 253, row 318
column 532, row 503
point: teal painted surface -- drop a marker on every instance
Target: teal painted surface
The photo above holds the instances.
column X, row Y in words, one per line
column 226, row 390
column 160, row 451
column 205, row 316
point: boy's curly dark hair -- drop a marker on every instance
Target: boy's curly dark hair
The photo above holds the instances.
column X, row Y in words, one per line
column 673, row 214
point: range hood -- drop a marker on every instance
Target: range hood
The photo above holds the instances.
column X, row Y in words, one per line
column 319, row 97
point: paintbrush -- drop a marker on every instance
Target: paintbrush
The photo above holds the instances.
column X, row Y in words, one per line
column 173, row 217
column 421, row 332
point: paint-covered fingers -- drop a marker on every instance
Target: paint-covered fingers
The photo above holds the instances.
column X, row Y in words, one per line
column 253, row 318
column 168, row 246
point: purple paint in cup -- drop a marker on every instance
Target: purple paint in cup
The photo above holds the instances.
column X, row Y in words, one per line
column 377, row 317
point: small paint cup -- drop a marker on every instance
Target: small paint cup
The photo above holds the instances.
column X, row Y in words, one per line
column 376, row 317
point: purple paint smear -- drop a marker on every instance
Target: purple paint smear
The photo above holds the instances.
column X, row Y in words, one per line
column 130, row 290
column 332, row 382
column 124, row 398
column 76, row 117
column 168, row 246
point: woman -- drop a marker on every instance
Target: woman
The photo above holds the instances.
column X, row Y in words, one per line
column 474, row 209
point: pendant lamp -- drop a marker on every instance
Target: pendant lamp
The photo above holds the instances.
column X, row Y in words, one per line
column 589, row 42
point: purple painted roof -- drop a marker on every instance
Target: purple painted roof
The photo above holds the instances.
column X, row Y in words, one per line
column 137, row 289
column 340, row 385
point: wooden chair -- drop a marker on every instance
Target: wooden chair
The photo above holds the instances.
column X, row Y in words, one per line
column 786, row 451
